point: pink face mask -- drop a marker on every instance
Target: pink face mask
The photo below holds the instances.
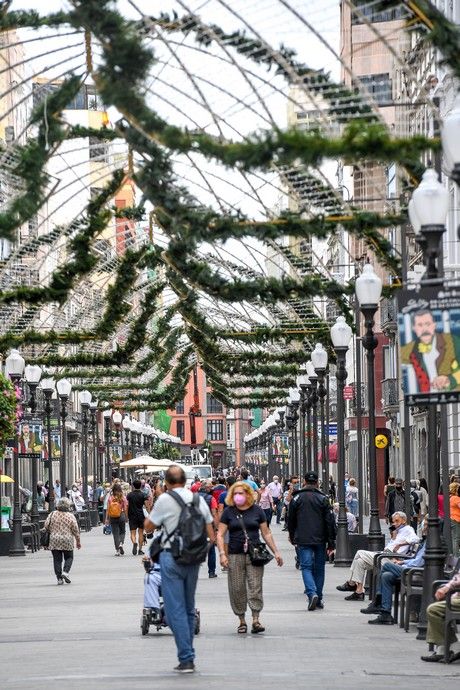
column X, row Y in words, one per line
column 239, row 499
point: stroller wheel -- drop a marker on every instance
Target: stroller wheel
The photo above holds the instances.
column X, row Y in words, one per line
column 145, row 624
column 197, row 622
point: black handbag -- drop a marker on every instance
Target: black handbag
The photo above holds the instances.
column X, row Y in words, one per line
column 45, row 536
column 258, row 552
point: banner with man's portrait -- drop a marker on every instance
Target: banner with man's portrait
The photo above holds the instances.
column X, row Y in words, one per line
column 280, row 447
column 429, row 336
column 30, row 436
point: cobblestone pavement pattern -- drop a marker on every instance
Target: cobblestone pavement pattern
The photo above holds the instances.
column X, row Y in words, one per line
column 87, row 634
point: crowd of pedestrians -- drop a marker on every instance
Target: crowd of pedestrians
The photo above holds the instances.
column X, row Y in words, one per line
column 236, row 513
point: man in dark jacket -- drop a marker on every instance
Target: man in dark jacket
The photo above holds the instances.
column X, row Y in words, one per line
column 311, row 528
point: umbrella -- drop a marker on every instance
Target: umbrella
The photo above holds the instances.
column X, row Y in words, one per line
column 160, row 465
column 4, row 479
column 147, row 461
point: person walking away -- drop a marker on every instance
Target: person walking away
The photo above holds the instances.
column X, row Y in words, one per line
column 206, row 493
column 117, row 514
column 454, row 491
column 178, row 579
column 63, row 529
column 241, row 516
column 136, row 501
column 312, row 528
column 219, row 488
column 266, row 502
column 351, row 497
column 276, row 492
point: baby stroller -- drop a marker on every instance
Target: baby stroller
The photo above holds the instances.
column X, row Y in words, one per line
column 153, row 612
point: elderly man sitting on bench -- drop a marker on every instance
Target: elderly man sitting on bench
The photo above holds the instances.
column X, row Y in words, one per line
column 403, row 537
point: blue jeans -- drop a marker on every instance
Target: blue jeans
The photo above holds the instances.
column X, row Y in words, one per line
column 178, row 585
column 212, row 559
column 312, row 560
column 390, row 574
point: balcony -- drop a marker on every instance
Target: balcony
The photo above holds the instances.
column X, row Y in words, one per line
column 388, row 316
column 390, row 396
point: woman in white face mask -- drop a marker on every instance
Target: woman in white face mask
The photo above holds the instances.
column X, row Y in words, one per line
column 76, row 498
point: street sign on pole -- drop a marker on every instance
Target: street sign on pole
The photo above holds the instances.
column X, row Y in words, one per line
column 348, row 393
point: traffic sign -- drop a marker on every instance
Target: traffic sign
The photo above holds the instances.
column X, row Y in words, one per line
column 381, row 441
column 348, row 393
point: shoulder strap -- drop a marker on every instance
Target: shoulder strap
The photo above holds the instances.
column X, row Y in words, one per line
column 177, row 498
column 243, row 526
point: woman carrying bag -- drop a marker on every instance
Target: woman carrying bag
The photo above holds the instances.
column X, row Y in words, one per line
column 245, row 521
column 63, row 530
column 116, row 517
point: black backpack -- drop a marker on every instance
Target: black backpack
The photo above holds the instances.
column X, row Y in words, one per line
column 189, row 543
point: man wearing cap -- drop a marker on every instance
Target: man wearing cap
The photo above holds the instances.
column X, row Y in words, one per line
column 276, row 492
column 311, row 528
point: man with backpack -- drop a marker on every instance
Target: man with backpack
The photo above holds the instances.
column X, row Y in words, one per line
column 187, row 526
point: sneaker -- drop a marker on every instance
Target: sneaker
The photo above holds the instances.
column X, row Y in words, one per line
column 134, row 549
column 60, row 581
column 185, row 667
column 432, row 657
column 312, row 604
column 121, row 550
column 66, row 578
column 346, row 587
column 211, row 575
column 141, row 553
column 320, row 604
column 384, row 618
column 372, row 608
column 355, row 597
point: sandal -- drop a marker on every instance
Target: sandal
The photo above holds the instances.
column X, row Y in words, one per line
column 257, row 628
column 241, row 629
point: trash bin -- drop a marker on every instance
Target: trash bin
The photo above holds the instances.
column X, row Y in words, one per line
column 5, row 514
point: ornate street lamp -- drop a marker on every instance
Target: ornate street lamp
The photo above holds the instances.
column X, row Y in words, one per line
column 314, row 407
column 303, row 384
column 430, row 206
column 368, row 291
column 430, row 203
column 14, row 368
column 319, row 361
column 294, row 402
column 341, row 335
column 117, row 420
column 47, row 386
column 93, row 412
column 85, row 399
column 107, row 414
column 32, row 374
column 64, row 389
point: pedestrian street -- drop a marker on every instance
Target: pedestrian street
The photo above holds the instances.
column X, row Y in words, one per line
column 87, row 634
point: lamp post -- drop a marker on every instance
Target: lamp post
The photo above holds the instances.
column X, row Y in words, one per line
column 319, row 361
column 428, row 211
column 64, row 388
column 47, row 386
column 14, row 368
column 117, row 419
column 294, row 402
column 314, row 416
column 303, row 383
column 33, row 374
column 107, row 415
column 85, row 399
column 340, row 336
column 93, row 413
column 368, row 292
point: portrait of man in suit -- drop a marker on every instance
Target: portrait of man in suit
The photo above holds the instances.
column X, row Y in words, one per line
column 432, row 357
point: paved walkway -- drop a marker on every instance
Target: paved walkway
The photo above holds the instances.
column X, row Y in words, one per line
column 87, row 634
